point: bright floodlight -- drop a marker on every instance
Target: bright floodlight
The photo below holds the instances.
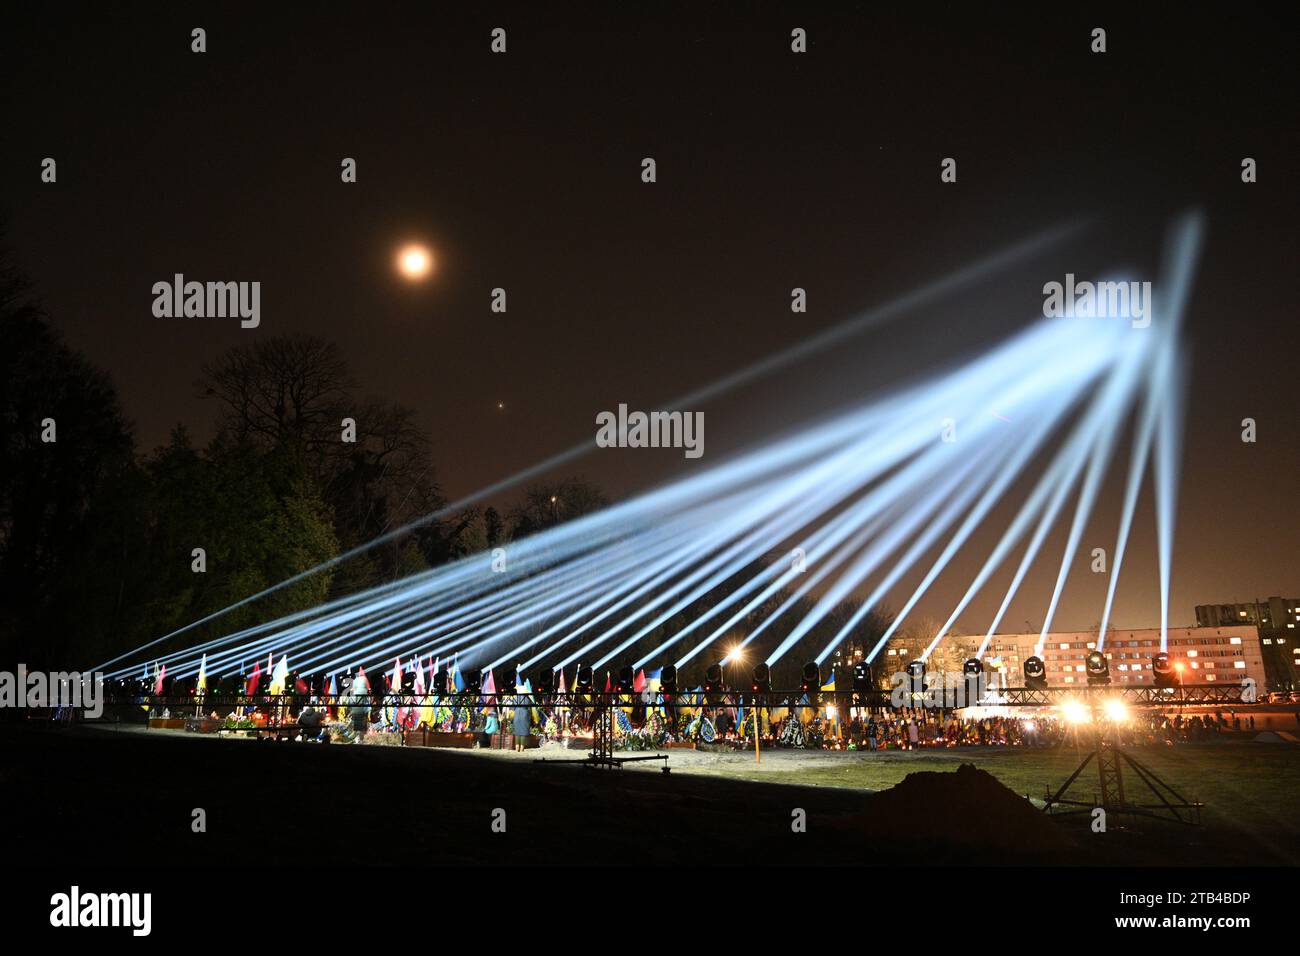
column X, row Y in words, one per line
column 415, row 262
column 1075, row 712
column 1116, row 712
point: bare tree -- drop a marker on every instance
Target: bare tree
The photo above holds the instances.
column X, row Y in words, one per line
column 293, row 393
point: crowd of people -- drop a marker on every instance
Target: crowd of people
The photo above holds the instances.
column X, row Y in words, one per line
column 806, row 727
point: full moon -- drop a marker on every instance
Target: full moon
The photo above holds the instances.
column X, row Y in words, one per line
column 415, row 262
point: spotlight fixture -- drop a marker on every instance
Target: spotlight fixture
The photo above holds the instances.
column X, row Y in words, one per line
column 582, row 683
column 713, row 679
column 1098, row 668
column 1035, row 673
column 812, row 677
column 625, row 680
column 973, row 667
column 916, row 674
column 762, row 678
column 546, row 683
column 861, row 676
column 1163, row 669
column 668, row 679
column 440, row 683
column 1074, row 712
column 1115, row 710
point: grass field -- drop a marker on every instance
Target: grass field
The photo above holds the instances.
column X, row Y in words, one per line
column 1250, row 791
column 100, row 797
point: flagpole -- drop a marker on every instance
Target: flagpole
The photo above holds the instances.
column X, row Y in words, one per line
column 758, row 756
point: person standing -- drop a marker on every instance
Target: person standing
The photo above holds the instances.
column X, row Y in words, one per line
column 491, row 727
column 522, row 724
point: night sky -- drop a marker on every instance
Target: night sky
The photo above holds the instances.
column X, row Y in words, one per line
column 775, row 170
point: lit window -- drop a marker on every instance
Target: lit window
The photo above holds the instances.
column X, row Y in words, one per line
column 1191, row 653
column 1235, row 640
column 1240, row 665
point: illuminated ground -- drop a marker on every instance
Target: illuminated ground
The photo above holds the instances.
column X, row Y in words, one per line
column 105, row 797
column 1248, row 788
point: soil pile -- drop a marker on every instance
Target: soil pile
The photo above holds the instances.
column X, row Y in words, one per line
column 961, row 813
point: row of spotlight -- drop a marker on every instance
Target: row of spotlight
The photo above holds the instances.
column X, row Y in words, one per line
column 1035, row 674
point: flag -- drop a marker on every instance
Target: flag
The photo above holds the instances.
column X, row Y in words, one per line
column 330, row 692
column 201, row 685
column 639, row 684
column 398, row 714
column 279, row 676
column 561, row 689
column 158, row 681
column 425, row 713
column 250, row 688
column 457, row 680
column 608, row 686
column 361, row 683
column 654, row 683
column 830, row 685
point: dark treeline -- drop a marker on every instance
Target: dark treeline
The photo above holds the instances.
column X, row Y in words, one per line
column 98, row 538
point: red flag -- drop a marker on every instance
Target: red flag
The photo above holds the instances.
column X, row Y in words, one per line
column 250, row 688
column 300, row 686
column 158, row 684
column 489, row 685
column 638, row 685
column 608, row 686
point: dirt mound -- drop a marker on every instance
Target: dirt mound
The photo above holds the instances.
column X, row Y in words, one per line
column 963, row 811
